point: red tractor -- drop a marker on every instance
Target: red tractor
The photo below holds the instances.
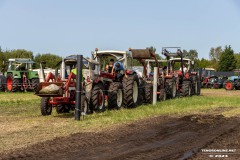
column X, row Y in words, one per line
column 118, row 89
column 148, row 60
column 186, row 79
column 59, row 90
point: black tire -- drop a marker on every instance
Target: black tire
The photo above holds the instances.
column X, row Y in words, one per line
column 163, row 95
column 141, row 98
column 130, row 91
column 13, row 84
column 172, row 88
column 62, row 109
column 84, row 105
column 2, row 83
column 149, row 93
column 216, row 86
column 46, row 108
column 115, row 95
column 186, row 88
column 35, row 83
column 194, row 85
column 98, row 104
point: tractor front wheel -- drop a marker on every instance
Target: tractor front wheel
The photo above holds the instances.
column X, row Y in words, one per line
column 13, row 84
column 35, row 83
column 98, row 98
column 172, row 88
column 115, row 95
column 186, row 89
column 163, row 95
column 46, row 107
column 149, row 93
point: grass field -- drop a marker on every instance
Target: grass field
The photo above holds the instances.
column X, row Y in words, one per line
column 21, row 123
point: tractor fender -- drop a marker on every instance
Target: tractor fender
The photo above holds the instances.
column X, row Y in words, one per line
column 33, row 74
column 16, row 74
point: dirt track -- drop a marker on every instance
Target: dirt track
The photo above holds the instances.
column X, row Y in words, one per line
column 154, row 138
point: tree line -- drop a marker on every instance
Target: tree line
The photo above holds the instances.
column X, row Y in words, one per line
column 219, row 58
column 50, row 59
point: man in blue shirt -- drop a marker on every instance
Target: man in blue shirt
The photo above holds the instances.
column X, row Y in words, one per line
column 117, row 68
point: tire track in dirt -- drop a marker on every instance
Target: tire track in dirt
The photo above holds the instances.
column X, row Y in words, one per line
column 153, row 138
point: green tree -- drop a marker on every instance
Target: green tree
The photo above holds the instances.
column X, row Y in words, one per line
column 192, row 54
column 18, row 53
column 50, row 59
column 237, row 57
column 227, row 60
column 215, row 53
column 202, row 63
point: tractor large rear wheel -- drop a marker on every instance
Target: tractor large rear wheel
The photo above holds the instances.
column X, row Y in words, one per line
column 98, row 98
column 149, row 93
column 171, row 85
column 130, row 91
column 35, row 83
column 46, row 107
column 2, row 83
column 13, row 84
column 115, row 95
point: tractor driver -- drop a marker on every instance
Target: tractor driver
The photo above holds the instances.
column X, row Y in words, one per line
column 118, row 69
column 109, row 67
column 185, row 70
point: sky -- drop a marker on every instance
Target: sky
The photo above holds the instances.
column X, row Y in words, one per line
column 66, row 27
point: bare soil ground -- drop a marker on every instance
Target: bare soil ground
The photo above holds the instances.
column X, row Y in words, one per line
column 155, row 138
column 162, row 137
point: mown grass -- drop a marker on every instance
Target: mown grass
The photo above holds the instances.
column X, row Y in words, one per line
column 21, row 123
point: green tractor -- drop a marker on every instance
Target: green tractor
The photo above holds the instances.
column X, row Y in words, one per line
column 19, row 75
